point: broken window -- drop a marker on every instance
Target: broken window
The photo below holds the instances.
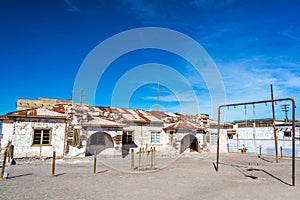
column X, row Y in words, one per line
column 127, row 137
column 42, row 137
column 155, row 137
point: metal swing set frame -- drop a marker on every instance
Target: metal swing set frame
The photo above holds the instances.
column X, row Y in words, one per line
column 275, row 137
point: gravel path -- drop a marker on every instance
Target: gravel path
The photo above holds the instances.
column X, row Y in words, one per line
column 189, row 177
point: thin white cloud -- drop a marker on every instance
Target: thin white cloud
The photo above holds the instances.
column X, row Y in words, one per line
column 142, row 7
column 249, row 79
column 72, row 6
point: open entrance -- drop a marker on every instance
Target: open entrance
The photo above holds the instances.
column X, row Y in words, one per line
column 127, row 142
column 189, row 142
column 98, row 142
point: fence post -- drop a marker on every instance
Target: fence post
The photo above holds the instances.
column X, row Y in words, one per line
column 151, row 158
column 95, row 162
column 280, row 151
column 3, row 165
column 140, row 154
column 53, row 163
column 132, row 159
column 154, row 157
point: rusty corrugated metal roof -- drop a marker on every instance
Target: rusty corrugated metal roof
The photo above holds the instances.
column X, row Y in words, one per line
column 182, row 125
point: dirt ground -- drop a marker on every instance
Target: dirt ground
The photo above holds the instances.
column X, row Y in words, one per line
column 190, row 177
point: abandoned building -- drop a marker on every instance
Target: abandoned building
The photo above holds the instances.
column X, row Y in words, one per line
column 259, row 133
column 25, row 103
column 78, row 130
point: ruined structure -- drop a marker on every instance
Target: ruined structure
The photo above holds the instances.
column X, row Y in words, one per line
column 78, row 130
column 25, row 103
column 255, row 133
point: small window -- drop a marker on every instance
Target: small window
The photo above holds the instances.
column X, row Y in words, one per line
column 213, row 138
column 287, row 133
column 155, row 138
column 42, row 137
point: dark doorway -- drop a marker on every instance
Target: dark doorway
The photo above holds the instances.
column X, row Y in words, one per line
column 189, row 141
column 127, row 142
column 98, row 142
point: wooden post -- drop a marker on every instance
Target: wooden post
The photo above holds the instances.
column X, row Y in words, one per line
column 280, row 151
column 140, row 154
column 3, row 164
column 154, row 157
column 53, row 163
column 95, row 162
column 132, row 159
column 144, row 164
column 227, row 147
column 151, row 159
column 199, row 148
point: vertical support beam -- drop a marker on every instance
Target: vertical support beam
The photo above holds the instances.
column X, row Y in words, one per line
column 53, row 163
column 218, row 141
column 274, row 125
column 95, row 162
column 293, row 143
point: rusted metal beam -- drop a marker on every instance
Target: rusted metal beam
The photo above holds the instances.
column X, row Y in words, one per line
column 274, row 125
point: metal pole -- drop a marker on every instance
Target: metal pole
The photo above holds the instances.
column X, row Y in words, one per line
column 293, row 129
column 259, row 151
column 293, row 144
column 218, row 141
column 274, row 125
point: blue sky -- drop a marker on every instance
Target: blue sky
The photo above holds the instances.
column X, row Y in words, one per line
column 254, row 43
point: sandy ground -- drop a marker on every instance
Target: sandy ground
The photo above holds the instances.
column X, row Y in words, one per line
column 189, row 177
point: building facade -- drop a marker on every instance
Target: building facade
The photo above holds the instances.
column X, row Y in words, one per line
column 79, row 130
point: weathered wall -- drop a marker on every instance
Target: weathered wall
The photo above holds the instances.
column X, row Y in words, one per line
column 21, row 134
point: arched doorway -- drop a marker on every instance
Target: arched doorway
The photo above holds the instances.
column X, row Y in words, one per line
column 98, row 142
column 189, row 141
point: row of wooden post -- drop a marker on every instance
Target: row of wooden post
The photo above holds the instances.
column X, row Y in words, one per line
column 143, row 154
column 54, row 158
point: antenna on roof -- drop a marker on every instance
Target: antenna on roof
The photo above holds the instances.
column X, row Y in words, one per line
column 158, row 94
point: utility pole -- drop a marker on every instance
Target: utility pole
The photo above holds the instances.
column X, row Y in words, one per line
column 81, row 95
column 285, row 109
column 158, row 94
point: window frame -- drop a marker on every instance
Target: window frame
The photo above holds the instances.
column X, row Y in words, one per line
column 155, row 137
column 42, row 139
